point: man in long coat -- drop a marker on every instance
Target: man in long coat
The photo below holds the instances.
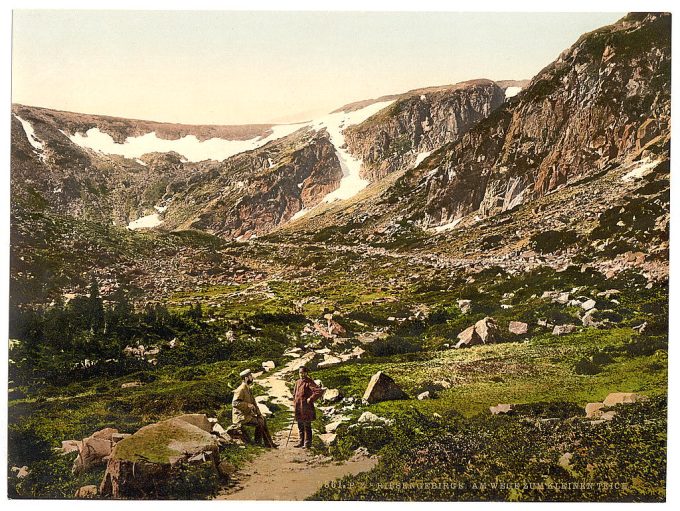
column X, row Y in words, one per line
column 245, row 411
column 305, row 393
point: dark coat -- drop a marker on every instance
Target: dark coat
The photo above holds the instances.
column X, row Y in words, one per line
column 305, row 389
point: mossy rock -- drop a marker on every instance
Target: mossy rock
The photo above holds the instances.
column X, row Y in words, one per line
column 165, row 442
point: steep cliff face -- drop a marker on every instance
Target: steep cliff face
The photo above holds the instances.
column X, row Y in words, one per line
column 420, row 122
column 253, row 192
column 604, row 100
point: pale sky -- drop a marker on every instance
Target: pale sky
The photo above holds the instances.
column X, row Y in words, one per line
column 260, row 67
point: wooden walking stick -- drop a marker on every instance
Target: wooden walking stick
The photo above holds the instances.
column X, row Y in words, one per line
column 290, row 432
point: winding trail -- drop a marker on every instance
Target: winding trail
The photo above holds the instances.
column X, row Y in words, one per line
column 288, row 473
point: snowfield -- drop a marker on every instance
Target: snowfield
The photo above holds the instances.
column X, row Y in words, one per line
column 145, row 222
column 421, row 157
column 351, row 182
column 192, row 149
column 641, row 169
column 299, row 214
column 447, row 227
column 512, row 91
column 35, row 142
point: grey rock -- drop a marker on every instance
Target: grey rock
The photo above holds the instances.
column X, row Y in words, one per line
column 383, row 388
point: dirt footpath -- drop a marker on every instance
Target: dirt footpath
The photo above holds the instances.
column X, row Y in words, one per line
column 288, row 473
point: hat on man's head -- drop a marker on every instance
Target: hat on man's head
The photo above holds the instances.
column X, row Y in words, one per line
column 245, row 373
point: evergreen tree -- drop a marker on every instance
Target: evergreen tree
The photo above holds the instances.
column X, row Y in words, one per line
column 97, row 319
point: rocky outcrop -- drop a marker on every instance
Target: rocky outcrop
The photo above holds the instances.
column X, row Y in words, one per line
column 246, row 194
column 419, row 122
column 605, row 99
column 139, row 464
column 253, row 192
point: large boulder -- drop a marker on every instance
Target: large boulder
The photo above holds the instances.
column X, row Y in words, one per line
column 468, row 337
column 488, row 330
column 141, row 463
column 485, row 331
column 620, row 398
column 94, row 450
column 383, row 388
column 200, row 420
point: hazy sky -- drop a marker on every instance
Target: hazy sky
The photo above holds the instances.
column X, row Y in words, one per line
column 258, row 67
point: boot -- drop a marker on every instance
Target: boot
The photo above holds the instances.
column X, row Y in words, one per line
column 301, row 432
column 308, row 435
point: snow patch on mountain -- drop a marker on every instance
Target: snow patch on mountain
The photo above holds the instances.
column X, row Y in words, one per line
column 145, row 222
column 512, row 91
column 192, row 149
column 351, row 182
column 421, row 157
column 299, row 214
column 447, row 227
column 640, row 169
column 35, row 142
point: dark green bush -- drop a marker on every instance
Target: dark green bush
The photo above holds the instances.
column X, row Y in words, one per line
column 551, row 241
column 393, row 345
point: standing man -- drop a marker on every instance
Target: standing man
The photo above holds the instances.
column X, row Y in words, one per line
column 246, row 413
column 305, row 393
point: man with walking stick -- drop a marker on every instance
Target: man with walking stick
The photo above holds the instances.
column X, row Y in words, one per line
column 305, row 393
column 246, row 412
